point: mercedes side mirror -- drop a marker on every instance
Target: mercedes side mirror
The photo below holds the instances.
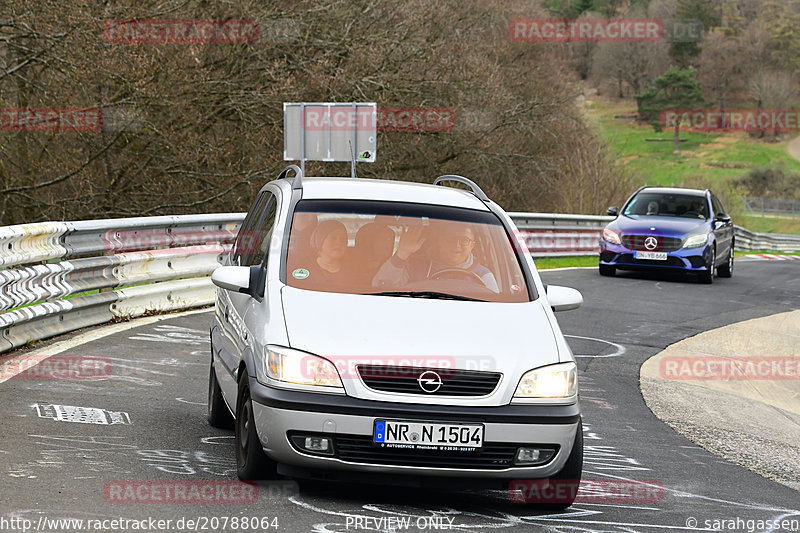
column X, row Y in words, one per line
column 612, row 211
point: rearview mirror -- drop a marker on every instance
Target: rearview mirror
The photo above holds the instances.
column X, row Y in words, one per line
column 723, row 217
column 612, row 211
column 237, row 278
column 563, row 298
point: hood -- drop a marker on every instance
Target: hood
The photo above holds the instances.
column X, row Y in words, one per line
column 668, row 226
column 510, row 338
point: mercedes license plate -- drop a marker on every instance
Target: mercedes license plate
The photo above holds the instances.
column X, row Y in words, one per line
column 658, row 256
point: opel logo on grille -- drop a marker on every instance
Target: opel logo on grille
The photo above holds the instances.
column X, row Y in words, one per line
column 651, row 243
column 429, row 381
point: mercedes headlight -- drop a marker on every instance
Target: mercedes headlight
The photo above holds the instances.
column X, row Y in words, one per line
column 696, row 240
column 553, row 381
column 300, row 368
column 609, row 235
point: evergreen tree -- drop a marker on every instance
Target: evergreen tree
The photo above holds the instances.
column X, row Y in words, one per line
column 677, row 89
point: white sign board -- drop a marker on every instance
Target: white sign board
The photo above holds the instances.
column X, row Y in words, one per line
column 326, row 131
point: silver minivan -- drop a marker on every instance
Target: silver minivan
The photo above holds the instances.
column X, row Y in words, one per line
column 366, row 328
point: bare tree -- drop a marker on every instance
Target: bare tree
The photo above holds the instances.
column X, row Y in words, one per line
column 773, row 89
column 583, row 52
column 716, row 71
column 204, row 120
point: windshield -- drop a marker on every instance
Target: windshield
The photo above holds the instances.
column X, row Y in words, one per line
column 402, row 250
column 667, row 205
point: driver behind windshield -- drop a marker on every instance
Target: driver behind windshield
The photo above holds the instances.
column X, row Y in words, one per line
column 443, row 251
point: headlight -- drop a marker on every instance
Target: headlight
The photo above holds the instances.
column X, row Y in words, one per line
column 293, row 366
column 696, row 240
column 554, row 381
column 609, row 235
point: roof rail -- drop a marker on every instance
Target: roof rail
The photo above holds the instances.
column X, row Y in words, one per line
column 461, row 179
column 297, row 183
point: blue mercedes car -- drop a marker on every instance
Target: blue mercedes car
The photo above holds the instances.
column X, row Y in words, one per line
column 674, row 229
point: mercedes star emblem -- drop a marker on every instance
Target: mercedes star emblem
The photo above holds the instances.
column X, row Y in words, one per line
column 651, row 243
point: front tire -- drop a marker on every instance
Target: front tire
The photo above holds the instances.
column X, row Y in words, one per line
column 726, row 270
column 218, row 414
column 607, row 270
column 252, row 464
column 568, row 479
column 707, row 276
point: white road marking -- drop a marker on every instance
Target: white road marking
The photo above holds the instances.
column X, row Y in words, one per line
column 619, row 349
column 93, row 335
column 82, row 415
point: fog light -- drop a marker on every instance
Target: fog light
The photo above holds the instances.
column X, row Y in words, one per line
column 317, row 444
column 533, row 456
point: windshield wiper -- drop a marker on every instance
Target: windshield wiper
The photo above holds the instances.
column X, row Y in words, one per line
column 427, row 294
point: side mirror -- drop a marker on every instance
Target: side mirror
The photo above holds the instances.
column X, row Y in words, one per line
column 612, row 211
column 239, row 279
column 563, row 298
column 723, row 217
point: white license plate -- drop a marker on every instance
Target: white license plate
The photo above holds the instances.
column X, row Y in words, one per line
column 658, row 256
column 427, row 435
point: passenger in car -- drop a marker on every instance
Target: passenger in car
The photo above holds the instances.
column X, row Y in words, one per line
column 374, row 245
column 449, row 252
column 698, row 208
column 329, row 241
column 301, row 254
column 652, row 208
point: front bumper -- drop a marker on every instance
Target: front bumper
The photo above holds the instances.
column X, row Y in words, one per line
column 349, row 422
column 686, row 259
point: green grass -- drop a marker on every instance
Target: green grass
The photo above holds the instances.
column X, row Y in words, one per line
column 707, row 157
column 543, row 263
column 770, row 224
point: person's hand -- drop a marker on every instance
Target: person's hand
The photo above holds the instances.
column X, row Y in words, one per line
column 410, row 241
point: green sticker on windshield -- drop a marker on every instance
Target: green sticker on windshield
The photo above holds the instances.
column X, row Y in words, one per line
column 300, row 273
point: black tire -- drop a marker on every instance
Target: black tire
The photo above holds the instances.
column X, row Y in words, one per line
column 707, row 276
column 568, row 477
column 218, row 414
column 607, row 270
column 252, row 464
column 726, row 270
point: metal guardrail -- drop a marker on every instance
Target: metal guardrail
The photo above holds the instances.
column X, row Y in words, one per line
column 133, row 266
column 781, row 207
column 127, row 267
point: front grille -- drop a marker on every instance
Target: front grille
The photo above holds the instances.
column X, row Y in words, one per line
column 404, row 379
column 665, row 244
column 360, row 449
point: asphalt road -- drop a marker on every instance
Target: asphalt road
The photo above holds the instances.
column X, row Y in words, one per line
column 153, row 428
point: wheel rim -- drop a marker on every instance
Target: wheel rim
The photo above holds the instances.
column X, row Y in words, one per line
column 244, row 426
column 730, row 262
